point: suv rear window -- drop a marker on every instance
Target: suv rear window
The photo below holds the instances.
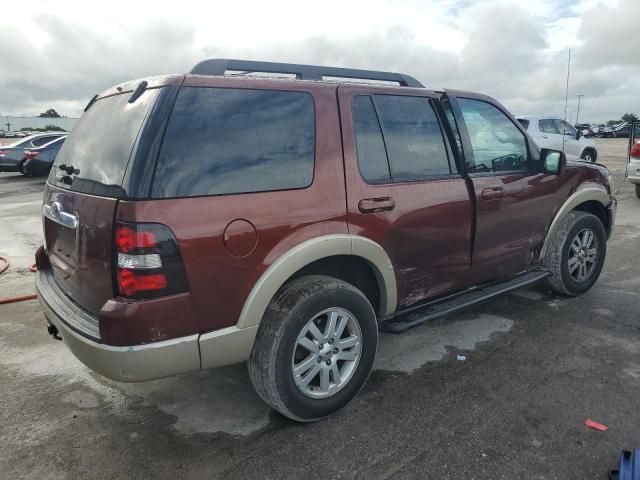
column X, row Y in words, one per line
column 98, row 149
column 225, row 140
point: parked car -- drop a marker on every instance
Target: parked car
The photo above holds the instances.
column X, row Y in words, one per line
column 37, row 161
column 201, row 220
column 588, row 130
column 557, row 134
column 621, row 131
column 633, row 160
column 11, row 156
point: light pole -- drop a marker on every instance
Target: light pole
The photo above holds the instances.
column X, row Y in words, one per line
column 578, row 112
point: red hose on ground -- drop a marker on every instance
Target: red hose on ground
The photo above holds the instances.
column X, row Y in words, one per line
column 18, row 299
column 32, row 268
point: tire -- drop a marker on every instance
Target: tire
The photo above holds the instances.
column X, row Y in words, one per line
column 589, row 155
column 561, row 251
column 276, row 349
column 637, row 190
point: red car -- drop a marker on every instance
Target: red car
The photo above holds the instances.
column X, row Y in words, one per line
column 200, row 220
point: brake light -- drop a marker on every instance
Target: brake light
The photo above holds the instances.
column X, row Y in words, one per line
column 127, row 239
column 635, row 151
column 148, row 261
column 129, row 283
column 29, row 154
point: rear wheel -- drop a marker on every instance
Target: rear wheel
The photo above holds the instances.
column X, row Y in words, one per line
column 576, row 254
column 314, row 349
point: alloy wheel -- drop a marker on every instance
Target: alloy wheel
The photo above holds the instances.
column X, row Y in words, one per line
column 327, row 353
column 583, row 255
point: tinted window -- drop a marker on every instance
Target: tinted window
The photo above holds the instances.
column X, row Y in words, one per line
column 413, row 137
column 235, row 140
column 38, row 142
column 546, row 125
column 448, row 111
column 372, row 158
column 497, row 144
column 524, row 122
column 100, row 145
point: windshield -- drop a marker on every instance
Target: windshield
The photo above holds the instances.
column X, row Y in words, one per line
column 94, row 157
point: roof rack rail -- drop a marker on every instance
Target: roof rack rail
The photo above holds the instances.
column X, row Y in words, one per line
column 218, row 66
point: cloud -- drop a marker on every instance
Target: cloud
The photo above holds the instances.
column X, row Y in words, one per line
column 514, row 52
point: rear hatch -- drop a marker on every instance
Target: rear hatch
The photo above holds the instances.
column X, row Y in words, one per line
column 82, row 193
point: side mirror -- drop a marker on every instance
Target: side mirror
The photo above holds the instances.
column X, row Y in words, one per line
column 552, row 161
column 578, row 134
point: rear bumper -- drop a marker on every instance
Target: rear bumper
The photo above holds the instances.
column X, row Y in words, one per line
column 633, row 171
column 9, row 165
column 140, row 362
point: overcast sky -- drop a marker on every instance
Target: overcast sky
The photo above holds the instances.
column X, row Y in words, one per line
column 58, row 54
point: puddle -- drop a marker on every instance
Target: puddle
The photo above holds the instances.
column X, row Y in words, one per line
column 428, row 343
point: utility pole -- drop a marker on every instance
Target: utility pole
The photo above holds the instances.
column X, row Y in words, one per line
column 578, row 112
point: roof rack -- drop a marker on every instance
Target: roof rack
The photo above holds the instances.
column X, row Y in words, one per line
column 218, row 66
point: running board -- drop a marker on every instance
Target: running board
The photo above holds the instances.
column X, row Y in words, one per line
column 438, row 308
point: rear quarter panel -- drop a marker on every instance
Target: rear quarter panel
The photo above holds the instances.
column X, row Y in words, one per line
column 219, row 281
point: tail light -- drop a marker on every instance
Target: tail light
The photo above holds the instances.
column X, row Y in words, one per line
column 28, row 155
column 148, row 261
column 635, row 151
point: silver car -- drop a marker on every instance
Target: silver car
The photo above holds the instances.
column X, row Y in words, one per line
column 556, row 134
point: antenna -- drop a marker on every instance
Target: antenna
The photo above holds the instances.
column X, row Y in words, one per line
column 566, row 97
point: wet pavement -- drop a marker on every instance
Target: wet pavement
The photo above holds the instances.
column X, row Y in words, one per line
column 537, row 365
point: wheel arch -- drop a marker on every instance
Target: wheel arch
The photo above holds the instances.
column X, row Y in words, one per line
column 591, row 199
column 590, row 149
column 314, row 252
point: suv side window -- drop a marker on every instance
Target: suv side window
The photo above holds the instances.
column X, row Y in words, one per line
column 564, row 128
column 414, row 139
column 497, row 144
column 413, row 142
column 372, row 157
column 546, row 125
column 226, row 140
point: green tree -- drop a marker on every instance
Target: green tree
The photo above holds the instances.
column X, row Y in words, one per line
column 54, row 128
column 51, row 113
column 629, row 117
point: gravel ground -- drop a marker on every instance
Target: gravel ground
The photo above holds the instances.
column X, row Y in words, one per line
column 537, row 365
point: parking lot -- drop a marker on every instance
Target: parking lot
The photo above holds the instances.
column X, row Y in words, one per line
column 537, row 365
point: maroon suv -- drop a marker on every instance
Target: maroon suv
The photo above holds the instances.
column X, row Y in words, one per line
column 195, row 221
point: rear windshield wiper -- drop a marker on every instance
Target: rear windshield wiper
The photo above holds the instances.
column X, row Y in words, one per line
column 138, row 91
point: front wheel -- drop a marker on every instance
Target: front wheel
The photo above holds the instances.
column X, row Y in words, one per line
column 315, row 348
column 576, row 254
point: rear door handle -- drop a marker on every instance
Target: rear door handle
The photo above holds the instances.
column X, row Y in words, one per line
column 375, row 205
column 492, row 193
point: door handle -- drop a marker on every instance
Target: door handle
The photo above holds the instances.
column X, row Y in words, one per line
column 375, row 205
column 492, row 193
